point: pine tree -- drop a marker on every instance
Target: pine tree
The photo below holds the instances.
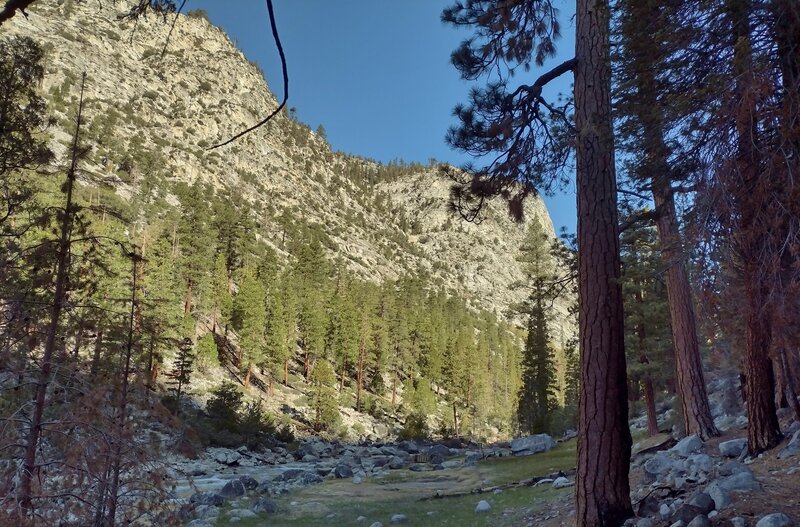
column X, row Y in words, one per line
column 222, row 301
column 324, row 404
column 648, row 336
column 510, row 131
column 250, row 320
column 181, row 374
column 22, row 113
column 343, row 332
column 191, row 243
column 538, row 396
column 649, row 35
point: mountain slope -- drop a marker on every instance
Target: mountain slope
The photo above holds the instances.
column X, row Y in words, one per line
column 383, row 221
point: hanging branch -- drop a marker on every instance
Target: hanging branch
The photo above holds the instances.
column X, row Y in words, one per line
column 285, row 83
column 11, row 7
column 171, row 29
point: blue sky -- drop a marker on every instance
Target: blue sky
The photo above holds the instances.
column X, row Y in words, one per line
column 375, row 73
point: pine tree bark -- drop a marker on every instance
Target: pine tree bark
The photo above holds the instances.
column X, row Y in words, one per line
column 763, row 429
column 604, row 439
column 650, row 404
column 789, row 391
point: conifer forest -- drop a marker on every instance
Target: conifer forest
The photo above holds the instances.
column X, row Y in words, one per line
column 209, row 316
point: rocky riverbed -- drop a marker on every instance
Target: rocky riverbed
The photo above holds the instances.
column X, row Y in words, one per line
column 226, row 487
column 687, row 483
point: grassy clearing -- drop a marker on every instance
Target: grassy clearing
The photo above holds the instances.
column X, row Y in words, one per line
column 340, row 502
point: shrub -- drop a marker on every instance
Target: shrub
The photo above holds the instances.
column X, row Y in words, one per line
column 198, row 14
column 224, row 405
column 415, row 427
column 207, row 353
column 255, row 424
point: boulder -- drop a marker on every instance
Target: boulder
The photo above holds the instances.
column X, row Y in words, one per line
column 645, row 522
column 298, row 476
column 733, row 448
column 702, row 501
column 720, row 496
column 233, row 489
column 199, row 523
column 343, row 471
column 699, row 521
column 738, row 521
column 396, row 463
column 686, row 513
column 533, row 444
column 688, row 445
column 562, row 482
column 264, row 505
column 248, row 482
column 399, row 518
column 226, row 457
column 409, row 446
column 776, row 519
column 730, row 468
column 741, row 481
column 472, row 459
column 700, row 462
column 439, row 450
column 793, row 448
column 376, row 524
column 207, row 498
column 647, row 507
column 483, row 506
column 312, row 447
column 658, row 464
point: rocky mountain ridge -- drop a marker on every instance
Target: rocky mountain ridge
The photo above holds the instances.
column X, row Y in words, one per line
column 381, row 222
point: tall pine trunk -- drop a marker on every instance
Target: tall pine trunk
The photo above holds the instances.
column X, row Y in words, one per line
column 604, row 440
column 691, row 385
column 763, row 430
column 59, row 297
column 650, row 404
column 643, row 48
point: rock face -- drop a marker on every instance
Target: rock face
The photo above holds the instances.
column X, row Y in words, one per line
column 525, row 446
column 203, row 90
